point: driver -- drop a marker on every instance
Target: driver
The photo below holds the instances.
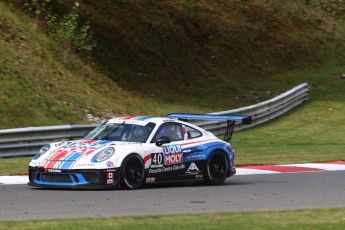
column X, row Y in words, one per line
column 171, row 132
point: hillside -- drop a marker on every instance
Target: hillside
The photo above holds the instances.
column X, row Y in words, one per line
column 156, row 57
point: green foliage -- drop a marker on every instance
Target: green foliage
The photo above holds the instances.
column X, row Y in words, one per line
column 71, row 34
column 41, row 10
column 67, row 30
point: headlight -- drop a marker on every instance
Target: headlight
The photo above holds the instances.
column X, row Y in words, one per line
column 42, row 151
column 103, row 155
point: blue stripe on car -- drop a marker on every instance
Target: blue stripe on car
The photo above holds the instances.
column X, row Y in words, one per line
column 69, row 160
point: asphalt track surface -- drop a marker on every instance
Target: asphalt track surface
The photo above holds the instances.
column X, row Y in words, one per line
column 280, row 191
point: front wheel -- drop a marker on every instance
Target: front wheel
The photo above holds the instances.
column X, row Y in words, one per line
column 132, row 172
column 217, row 168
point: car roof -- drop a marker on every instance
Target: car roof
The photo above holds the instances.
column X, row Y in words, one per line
column 140, row 120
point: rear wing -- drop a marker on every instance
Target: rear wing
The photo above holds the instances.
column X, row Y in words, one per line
column 230, row 119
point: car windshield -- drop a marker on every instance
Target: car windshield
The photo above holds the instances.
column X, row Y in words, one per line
column 121, row 132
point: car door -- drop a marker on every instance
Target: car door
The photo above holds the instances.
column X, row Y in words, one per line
column 167, row 159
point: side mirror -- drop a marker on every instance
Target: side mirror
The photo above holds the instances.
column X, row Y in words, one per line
column 163, row 140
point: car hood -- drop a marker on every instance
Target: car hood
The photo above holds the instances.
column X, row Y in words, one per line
column 78, row 154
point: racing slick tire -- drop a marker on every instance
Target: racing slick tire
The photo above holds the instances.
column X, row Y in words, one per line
column 132, row 173
column 217, row 168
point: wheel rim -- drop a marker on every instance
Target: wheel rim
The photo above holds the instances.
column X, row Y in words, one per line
column 218, row 167
column 134, row 172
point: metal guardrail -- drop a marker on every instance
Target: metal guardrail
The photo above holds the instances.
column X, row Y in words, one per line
column 27, row 141
column 263, row 111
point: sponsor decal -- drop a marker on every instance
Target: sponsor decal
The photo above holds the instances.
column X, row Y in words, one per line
column 86, row 164
column 172, row 149
column 110, row 175
column 167, row 169
column 111, row 170
column 110, row 181
column 65, row 156
column 156, row 160
column 201, row 147
column 54, row 170
column 196, row 156
column 172, row 154
column 156, row 166
column 192, row 167
column 110, row 164
column 150, row 179
column 84, row 147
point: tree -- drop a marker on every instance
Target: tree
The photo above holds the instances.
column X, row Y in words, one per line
column 67, row 30
column 71, row 34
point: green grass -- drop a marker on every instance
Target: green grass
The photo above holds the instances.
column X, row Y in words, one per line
column 161, row 57
column 311, row 133
column 14, row 165
column 299, row 219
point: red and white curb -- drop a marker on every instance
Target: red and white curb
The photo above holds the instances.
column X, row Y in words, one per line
column 291, row 168
column 241, row 170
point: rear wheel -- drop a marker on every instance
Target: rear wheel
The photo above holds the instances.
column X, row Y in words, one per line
column 217, row 168
column 132, row 172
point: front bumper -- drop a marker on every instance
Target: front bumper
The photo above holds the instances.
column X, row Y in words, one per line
column 74, row 179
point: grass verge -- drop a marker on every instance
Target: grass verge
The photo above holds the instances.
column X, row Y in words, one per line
column 297, row 219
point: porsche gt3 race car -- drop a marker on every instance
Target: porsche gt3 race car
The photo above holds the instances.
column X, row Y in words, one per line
column 126, row 152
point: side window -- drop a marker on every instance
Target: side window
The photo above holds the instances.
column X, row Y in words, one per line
column 140, row 133
column 192, row 133
column 171, row 130
column 137, row 134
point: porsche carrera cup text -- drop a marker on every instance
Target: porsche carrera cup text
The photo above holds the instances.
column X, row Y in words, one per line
column 167, row 169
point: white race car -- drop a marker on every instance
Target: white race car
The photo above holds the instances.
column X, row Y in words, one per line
column 126, row 152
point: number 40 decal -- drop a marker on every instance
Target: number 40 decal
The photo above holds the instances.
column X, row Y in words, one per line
column 157, row 159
